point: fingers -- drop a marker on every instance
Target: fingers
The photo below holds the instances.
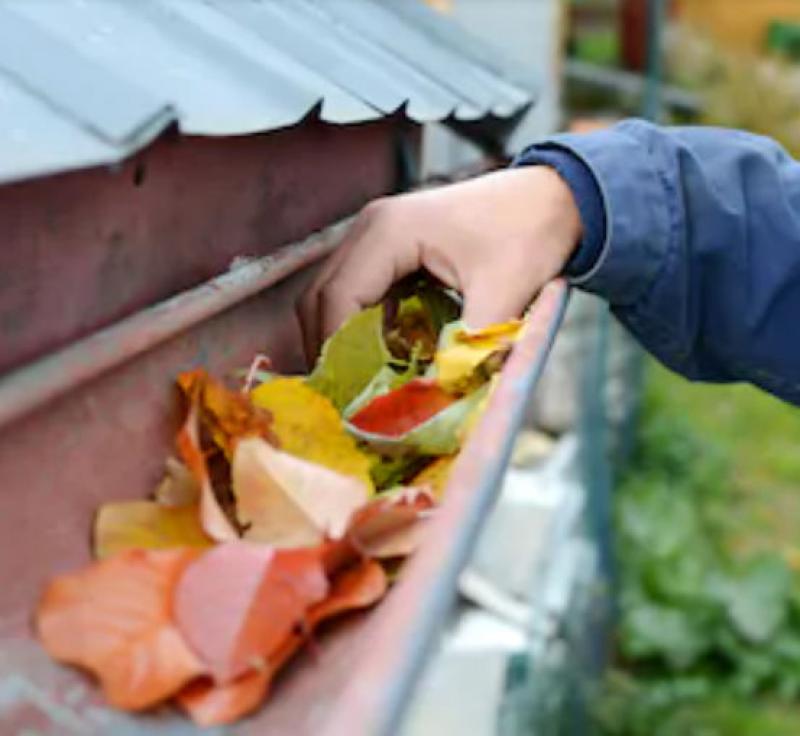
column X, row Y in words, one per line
column 491, row 298
column 308, row 307
column 372, row 256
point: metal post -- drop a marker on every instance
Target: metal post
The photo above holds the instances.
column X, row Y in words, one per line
column 656, row 17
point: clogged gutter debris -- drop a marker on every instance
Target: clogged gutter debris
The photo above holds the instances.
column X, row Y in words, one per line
column 286, row 504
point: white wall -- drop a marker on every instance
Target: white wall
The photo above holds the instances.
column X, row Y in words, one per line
column 527, row 31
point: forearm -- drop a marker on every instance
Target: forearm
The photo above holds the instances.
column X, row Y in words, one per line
column 700, row 250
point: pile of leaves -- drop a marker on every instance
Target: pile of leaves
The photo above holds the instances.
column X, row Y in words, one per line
column 290, row 501
column 708, row 641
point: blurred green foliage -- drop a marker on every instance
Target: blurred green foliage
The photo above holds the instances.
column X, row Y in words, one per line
column 758, row 93
column 709, row 628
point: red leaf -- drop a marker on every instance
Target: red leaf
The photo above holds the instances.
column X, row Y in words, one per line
column 240, row 602
column 398, row 412
column 115, row 619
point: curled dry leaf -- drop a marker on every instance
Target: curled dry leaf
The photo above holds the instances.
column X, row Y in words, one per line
column 359, row 586
column 308, row 426
column 226, row 415
column 119, row 527
column 178, row 487
column 213, row 519
column 215, row 705
column 392, row 525
column 288, row 502
column 463, row 353
column 114, row 618
column 239, row 602
column 435, row 475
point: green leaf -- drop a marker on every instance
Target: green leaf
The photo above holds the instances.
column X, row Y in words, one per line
column 670, row 634
column 351, row 357
column 656, row 519
column 388, row 472
column 757, row 599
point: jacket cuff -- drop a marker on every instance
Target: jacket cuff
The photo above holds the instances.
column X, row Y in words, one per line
column 588, row 198
column 631, row 178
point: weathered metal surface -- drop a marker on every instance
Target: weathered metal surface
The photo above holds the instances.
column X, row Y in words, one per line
column 116, row 72
column 106, row 441
column 402, row 634
column 83, row 250
column 480, row 91
column 66, row 370
column 39, row 61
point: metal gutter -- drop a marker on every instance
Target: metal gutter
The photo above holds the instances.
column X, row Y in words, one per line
column 403, row 633
column 34, row 385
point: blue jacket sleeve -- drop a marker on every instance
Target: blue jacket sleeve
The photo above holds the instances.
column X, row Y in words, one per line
column 699, row 251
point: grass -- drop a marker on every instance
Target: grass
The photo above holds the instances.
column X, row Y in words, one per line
column 706, row 519
column 761, row 437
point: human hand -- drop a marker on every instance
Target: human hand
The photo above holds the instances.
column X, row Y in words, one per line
column 497, row 239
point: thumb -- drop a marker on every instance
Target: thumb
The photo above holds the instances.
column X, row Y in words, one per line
column 493, row 300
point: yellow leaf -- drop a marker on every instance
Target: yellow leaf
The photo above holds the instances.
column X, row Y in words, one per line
column 493, row 336
column 289, row 502
column 435, row 475
column 463, row 353
column 308, row 426
column 119, row 527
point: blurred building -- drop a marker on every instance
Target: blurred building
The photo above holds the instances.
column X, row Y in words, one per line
column 529, row 32
column 739, row 24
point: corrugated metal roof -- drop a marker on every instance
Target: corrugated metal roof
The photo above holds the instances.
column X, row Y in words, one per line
column 87, row 82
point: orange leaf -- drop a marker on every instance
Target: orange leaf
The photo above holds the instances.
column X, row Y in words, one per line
column 393, row 525
column 227, row 415
column 114, row 618
column 216, row 705
column 239, row 602
column 213, row 519
column 389, row 526
column 288, row 502
column 357, row 587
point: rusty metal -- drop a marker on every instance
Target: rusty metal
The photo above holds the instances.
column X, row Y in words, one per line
column 65, row 370
column 106, row 440
column 401, row 636
column 92, row 422
column 84, row 250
